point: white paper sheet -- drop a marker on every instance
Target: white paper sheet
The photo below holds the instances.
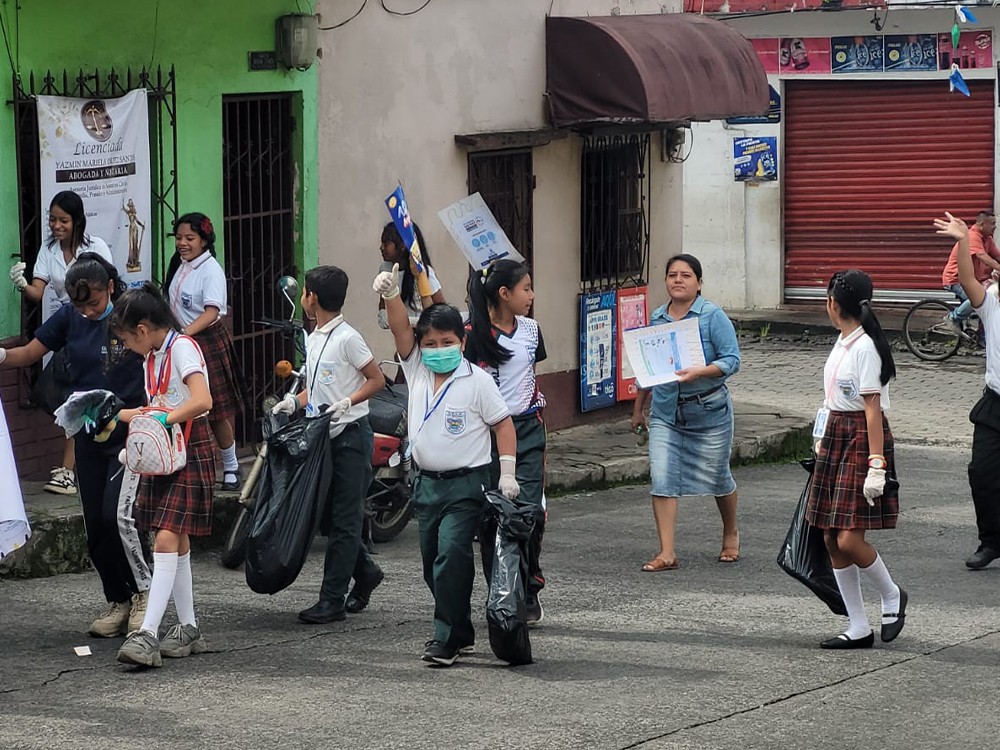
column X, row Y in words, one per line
column 476, row 232
column 656, row 353
column 14, row 528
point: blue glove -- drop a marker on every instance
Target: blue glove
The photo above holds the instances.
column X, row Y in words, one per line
column 161, row 417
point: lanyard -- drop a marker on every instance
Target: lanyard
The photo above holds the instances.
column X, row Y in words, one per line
column 428, row 409
column 163, row 379
column 319, row 359
column 836, row 369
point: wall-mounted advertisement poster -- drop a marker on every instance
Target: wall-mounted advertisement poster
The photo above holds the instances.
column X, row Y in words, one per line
column 598, row 355
column 856, row 54
column 975, row 50
column 632, row 313
column 804, row 55
column 755, row 159
column 911, row 52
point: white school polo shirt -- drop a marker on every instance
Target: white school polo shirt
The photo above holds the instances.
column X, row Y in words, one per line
column 51, row 266
column 516, row 377
column 198, row 284
column 185, row 359
column 852, row 371
column 989, row 314
column 335, row 355
column 450, row 429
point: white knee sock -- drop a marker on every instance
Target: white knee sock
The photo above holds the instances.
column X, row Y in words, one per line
column 229, row 462
column 184, row 591
column 878, row 576
column 849, row 583
column 164, row 571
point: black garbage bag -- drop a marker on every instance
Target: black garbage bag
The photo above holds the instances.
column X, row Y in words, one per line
column 88, row 411
column 804, row 557
column 54, row 383
column 293, row 483
column 509, row 523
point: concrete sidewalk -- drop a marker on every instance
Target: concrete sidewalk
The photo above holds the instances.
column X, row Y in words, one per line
column 585, row 457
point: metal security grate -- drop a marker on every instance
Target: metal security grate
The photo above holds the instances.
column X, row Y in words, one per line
column 259, row 219
column 614, row 211
column 506, row 182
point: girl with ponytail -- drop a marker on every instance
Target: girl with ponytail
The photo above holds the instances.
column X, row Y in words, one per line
column 506, row 343
column 853, row 487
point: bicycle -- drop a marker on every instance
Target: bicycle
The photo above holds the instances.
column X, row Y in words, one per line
column 931, row 337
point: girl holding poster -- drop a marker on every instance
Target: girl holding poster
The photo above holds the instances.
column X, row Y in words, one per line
column 67, row 239
column 394, row 251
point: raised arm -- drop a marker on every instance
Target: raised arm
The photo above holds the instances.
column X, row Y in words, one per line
column 387, row 285
column 957, row 229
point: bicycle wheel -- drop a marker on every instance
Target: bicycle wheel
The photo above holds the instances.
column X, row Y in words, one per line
column 926, row 332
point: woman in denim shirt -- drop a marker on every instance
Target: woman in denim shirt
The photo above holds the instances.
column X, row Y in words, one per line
column 691, row 420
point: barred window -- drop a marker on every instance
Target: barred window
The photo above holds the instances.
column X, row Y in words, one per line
column 614, row 211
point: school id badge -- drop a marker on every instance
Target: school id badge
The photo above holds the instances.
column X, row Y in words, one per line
column 819, row 426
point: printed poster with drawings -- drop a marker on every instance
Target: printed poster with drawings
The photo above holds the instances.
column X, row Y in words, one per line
column 656, row 353
column 476, row 232
column 598, row 358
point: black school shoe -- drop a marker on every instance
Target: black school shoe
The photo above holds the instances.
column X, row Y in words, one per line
column 843, row 642
column 323, row 612
column 892, row 629
column 440, row 654
column 232, row 486
column 981, row 558
column 361, row 594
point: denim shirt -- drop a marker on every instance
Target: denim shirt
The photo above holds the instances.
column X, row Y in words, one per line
column 718, row 339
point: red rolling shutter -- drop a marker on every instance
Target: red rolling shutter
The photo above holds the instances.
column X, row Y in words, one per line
column 868, row 164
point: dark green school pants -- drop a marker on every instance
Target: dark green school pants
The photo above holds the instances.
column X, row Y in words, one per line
column 449, row 512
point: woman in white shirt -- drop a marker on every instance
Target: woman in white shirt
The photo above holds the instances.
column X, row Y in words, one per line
column 67, row 239
column 195, row 287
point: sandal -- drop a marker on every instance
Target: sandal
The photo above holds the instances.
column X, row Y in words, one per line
column 658, row 564
column 730, row 554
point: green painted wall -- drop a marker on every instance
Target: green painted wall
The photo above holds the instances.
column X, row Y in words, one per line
column 207, row 43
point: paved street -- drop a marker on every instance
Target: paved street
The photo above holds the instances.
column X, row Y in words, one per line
column 930, row 400
column 710, row 656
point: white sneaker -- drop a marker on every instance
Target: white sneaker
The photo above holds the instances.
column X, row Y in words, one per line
column 61, row 482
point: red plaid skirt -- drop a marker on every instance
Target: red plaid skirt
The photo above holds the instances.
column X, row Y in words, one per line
column 225, row 377
column 182, row 502
column 836, row 500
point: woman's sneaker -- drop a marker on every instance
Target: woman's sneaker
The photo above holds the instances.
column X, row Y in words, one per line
column 181, row 641
column 141, row 648
column 113, row 622
column 61, row 482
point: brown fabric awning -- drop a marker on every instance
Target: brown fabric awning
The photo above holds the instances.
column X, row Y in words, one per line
column 650, row 69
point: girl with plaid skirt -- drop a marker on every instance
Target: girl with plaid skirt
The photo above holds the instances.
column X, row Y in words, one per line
column 179, row 505
column 854, row 487
column 195, row 286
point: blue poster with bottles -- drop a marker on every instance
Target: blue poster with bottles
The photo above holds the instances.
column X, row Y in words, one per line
column 598, row 355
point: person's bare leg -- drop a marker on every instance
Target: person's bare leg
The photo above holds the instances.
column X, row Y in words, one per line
column 224, row 433
column 730, row 529
column 69, row 454
column 665, row 515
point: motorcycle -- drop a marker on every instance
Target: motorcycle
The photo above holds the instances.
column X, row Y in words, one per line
column 388, row 506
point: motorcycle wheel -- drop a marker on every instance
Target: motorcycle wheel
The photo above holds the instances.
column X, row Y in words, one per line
column 234, row 553
column 387, row 524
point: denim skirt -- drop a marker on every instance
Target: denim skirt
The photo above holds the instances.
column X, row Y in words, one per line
column 691, row 456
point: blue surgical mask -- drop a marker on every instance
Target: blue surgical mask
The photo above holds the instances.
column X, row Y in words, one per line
column 442, row 360
column 107, row 312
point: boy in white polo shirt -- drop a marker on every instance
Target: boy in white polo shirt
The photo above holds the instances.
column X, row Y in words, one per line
column 341, row 375
column 452, row 407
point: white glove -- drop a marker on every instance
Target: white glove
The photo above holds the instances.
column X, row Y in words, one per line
column 3, row 355
column 338, row 409
column 383, row 320
column 17, row 276
column 287, row 405
column 387, row 282
column 508, row 485
column 874, row 485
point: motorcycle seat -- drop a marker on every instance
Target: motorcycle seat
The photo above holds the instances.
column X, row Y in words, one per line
column 387, row 410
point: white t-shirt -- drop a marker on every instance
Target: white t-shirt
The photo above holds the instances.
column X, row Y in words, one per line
column 335, row 355
column 852, row 371
column 51, row 266
column 185, row 360
column 516, row 377
column 989, row 314
column 198, row 284
column 450, row 429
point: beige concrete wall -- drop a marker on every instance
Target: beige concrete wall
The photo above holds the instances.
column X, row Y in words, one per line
column 394, row 91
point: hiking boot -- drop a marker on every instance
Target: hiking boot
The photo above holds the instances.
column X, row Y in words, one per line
column 533, row 607
column 113, row 622
column 61, row 482
column 440, row 654
column 137, row 612
column 141, row 648
column 182, row 640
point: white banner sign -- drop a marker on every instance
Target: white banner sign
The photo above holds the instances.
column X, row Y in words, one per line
column 99, row 149
column 656, row 353
column 14, row 528
column 476, row 232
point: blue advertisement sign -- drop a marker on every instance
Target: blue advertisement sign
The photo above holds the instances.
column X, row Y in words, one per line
column 400, row 213
column 755, row 159
column 773, row 112
column 856, row 54
column 911, row 52
column 598, row 350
